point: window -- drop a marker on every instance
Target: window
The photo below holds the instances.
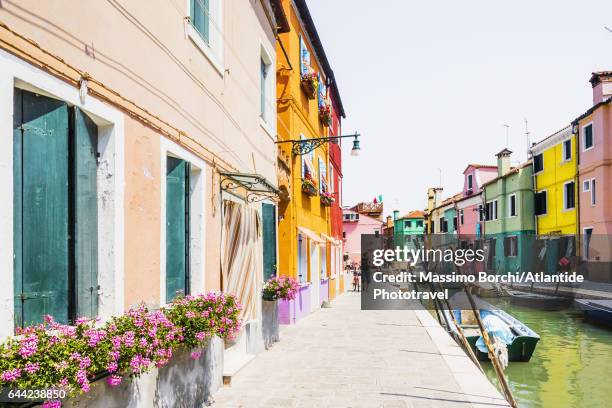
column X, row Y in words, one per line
column 567, row 149
column 419, row 224
column 376, row 233
column 200, row 18
column 205, row 31
column 538, row 163
column 470, row 181
column 407, row 224
column 491, row 211
column 511, row 246
column 55, row 210
column 454, row 223
column 512, row 212
column 586, row 186
column 587, row 136
column 343, row 234
column 461, row 216
column 432, row 227
column 481, row 213
column 593, row 197
column 587, row 233
column 540, row 203
column 263, row 79
column 569, row 200
column 443, row 225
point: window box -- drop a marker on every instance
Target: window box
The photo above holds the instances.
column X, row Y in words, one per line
column 308, row 186
column 327, row 199
column 309, row 84
column 325, row 114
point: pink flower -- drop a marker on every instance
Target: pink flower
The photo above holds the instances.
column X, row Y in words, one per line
column 10, row 375
column 200, row 336
column 114, row 380
column 31, row 368
column 29, row 346
column 112, row 366
column 85, row 362
column 196, row 354
column 52, row 404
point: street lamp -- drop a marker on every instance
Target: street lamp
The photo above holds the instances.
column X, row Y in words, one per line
column 305, row 146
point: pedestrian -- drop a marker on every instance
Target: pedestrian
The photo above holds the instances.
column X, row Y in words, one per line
column 365, row 270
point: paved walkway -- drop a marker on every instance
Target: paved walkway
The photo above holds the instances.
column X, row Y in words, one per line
column 345, row 357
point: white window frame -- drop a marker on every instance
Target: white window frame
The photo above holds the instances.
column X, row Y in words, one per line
column 534, row 170
column 586, row 185
column 564, row 151
column 583, row 135
column 17, row 73
column 593, row 192
column 268, row 121
column 494, row 208
column 470, row 180
column 213, row 50
column 565, row 207
column 516, row 240
column 510, row 215
column 197, row 216
column 584, row 246
column 461, row 219
column 546, row 209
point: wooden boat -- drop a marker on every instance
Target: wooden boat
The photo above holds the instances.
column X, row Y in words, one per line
column 538, row 300
column 597, row 311
column 524, row 339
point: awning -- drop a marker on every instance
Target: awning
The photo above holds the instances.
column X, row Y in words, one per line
column 310, row 235
column 332, row 240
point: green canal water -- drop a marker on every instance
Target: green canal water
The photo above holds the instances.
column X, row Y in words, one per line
column 571, row 366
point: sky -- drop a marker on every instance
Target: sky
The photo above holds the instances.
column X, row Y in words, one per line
column 431, row 84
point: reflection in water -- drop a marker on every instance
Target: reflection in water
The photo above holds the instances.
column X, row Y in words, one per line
column 572, row 363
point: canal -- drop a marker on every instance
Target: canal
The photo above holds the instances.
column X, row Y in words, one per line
column 571, row 366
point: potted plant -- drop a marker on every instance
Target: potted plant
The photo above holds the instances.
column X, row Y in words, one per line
column 309, row 186
column 325, row 113
column 310, row 83
column 275, row 289
column 327, row 199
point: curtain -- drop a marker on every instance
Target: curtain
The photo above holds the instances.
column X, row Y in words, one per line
column 241, row 263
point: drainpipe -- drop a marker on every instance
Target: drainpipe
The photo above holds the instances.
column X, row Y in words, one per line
column 577, row 184
column 535, row 189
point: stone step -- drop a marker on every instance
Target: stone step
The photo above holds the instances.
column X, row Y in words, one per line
column 233, row 363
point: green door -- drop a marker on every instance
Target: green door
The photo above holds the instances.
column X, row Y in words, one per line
column 85, row 199
column 177, row 228
column 41, row 240
column 269, row 239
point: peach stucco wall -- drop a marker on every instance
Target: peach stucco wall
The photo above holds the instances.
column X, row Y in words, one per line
column 141, row 50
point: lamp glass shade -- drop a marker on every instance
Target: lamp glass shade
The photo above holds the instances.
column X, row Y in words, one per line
column 355, row 150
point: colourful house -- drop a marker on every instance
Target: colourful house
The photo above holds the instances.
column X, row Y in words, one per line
column 509, row 217
column 594, row 134
column 407, row 227
column 355, row 225
column 555, row 168
column 305, row 81
column 469, row 207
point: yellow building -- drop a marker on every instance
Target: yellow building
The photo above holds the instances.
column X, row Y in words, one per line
column 555, row 170
column 304, row 228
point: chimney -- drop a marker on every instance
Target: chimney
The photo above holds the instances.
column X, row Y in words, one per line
column 433, row 197
column 395, row 215
column 389, row 221
column 602, row 86
column 503, row 162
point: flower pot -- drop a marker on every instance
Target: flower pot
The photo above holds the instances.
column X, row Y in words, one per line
column 309, row 189
column 269, row 323
column 325, row 118
column 327, row 201
column 309, row 88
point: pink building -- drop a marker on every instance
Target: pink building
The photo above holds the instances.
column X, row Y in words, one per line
column 355, row 225
column 594, row 130
column 469, row 222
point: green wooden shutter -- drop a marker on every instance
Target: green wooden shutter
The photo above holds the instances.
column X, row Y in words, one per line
column 85, row 142
column 269, row 239
column 41, row 141
column 177, row 228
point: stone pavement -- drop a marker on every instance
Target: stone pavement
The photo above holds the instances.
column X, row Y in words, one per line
column 345, row 357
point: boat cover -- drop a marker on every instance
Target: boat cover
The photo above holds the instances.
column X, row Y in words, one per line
column 495, row 327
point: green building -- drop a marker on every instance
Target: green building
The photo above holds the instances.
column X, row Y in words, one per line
column 509, row 227
column 408, row 227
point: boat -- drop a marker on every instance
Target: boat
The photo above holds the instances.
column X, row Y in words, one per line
column 520, row 340
column 597, row 311
column 538, row 300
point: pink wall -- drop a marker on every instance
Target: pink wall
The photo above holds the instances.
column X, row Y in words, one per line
column 354, row 230
column 593, row 165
